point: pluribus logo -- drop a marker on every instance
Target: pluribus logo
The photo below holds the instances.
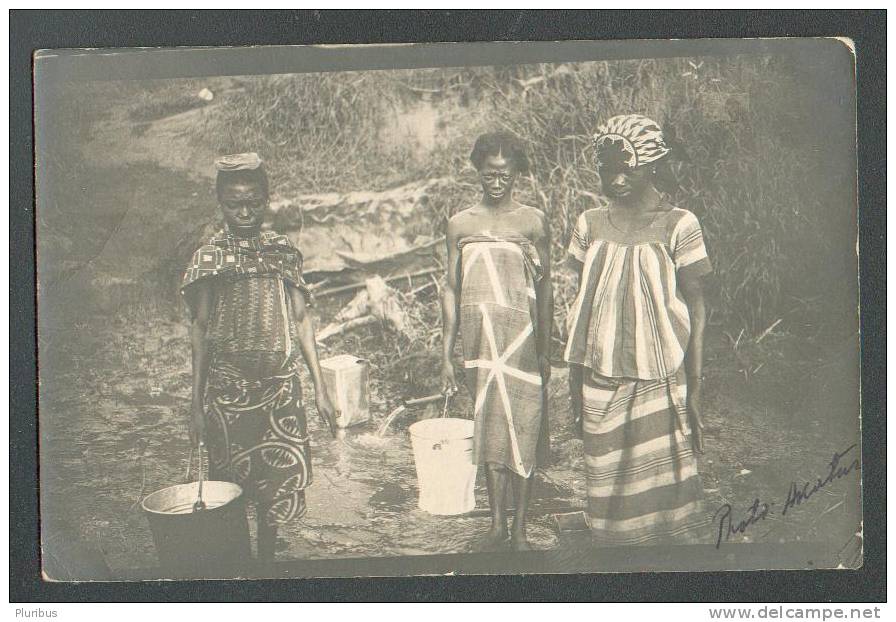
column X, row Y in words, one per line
column 21, row 612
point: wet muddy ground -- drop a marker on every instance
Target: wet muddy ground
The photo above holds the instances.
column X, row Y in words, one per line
column 115, row 396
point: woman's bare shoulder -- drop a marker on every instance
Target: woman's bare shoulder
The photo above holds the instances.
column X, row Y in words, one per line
column 531, row 212
column 531, row 218
column 592, row 214
column 464, row 221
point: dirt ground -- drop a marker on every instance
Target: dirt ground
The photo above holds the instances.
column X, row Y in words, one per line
column 115, row 387
column 114, row 403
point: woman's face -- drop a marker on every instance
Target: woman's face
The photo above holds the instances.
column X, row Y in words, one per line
column 497, row 177
column 243, row 204
column 620, row 181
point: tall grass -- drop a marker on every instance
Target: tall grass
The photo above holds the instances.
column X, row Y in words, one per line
column 317, row 132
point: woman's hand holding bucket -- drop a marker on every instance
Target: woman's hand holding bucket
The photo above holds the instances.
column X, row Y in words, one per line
column 449, row 380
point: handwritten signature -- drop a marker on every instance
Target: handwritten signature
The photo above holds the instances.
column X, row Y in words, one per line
column 796, row 495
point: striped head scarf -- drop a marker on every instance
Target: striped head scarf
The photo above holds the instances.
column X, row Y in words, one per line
column 637, row 138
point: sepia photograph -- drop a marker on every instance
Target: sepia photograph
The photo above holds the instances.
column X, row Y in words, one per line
column 474, row 308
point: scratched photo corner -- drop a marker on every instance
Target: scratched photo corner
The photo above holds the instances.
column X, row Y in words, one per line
column 447, row 308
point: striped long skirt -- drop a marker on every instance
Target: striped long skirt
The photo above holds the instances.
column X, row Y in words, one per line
column 643, row 485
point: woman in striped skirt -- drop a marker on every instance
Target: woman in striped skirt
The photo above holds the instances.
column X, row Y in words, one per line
column 635, row 346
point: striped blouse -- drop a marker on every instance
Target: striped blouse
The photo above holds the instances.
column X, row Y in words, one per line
column 629, row 319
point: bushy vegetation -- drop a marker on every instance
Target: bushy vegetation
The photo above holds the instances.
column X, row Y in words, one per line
column 317, row 132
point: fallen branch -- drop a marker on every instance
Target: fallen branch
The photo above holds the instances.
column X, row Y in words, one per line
column 378, row 301
column 353, row 286
column 385, row 303
column 423, row 287
column 768, row 330
column 338, row 329
column 318, row 285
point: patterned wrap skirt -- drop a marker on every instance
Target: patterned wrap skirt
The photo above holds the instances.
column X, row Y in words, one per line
column 498, row 321
column 256, row 431
column 643, row 484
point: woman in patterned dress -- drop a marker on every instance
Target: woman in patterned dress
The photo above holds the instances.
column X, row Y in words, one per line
column 498, row 293
column 635, row 346
column 247, row 302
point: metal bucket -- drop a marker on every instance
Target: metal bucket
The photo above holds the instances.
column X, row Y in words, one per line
column 443, row 456
column 346, row 377
column 212, row 541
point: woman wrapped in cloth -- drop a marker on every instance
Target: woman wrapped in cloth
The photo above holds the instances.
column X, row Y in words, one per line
column 635, row 346
column 499, row 293
column 247, row 302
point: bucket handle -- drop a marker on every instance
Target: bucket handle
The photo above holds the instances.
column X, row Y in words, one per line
column 200, row 504
column 199, row 464
column 448, row 395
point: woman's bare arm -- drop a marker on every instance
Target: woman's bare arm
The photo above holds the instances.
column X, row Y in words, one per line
column 200, row 303
column 544, row 292
column 298, row 306
column 576, row 371
column 692, row 289
column 308, row 346
column 576, row 266
column 450, row 307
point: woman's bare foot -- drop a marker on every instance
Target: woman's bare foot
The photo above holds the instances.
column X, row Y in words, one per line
column 519, row 543
column 267, row 543
column 492, row 540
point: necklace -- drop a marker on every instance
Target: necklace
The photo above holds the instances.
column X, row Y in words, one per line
column 630, row 231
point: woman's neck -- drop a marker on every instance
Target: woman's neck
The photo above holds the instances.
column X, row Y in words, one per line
column 506, row 203
column 647, row 201
column 244, row 233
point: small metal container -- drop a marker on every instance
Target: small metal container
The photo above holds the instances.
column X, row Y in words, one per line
column 346, row 378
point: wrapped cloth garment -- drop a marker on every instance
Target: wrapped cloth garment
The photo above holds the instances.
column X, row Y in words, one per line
column 251, row 302
column 629, row 330
column 256, row 432
column 498, row 323
column 225, row 254
column 641, row 474
column 255, row 421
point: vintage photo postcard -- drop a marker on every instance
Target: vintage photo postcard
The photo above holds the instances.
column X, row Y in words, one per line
column 488, row 308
